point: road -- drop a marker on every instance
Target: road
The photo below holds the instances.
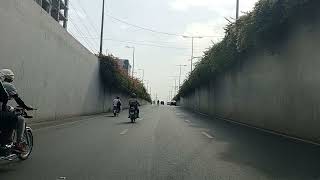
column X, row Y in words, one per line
column 166, row 143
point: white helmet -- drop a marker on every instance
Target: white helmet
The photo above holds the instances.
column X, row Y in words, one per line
column 6, row 74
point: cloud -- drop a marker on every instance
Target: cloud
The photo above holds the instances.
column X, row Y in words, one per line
column 222, row 7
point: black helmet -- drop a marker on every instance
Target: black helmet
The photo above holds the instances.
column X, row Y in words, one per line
column 118, row 97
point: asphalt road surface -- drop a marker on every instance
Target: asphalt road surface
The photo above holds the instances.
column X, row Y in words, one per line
column 166, row 143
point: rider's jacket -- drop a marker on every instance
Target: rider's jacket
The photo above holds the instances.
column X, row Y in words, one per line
column 133, row 102
column 116, row 101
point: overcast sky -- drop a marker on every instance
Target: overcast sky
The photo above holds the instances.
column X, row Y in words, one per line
column 158, row 54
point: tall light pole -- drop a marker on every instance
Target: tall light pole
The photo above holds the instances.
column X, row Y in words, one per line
column 142, row 73
column 192, row 45
column 180, row 66
column 147, row 83
column 102, row 24
column 237, row 9
column 133, row 48
column 175, row 83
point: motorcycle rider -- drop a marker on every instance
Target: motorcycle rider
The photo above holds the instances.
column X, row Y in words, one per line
column 8, row 120
column 117, row 104
column 8, row 77
column 133, row 102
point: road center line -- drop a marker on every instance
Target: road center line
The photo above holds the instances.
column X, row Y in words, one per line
column 124, row 132
column 206, row 134
column 187, row 121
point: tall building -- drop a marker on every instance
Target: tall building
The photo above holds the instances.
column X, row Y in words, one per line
column 58, row 9
column 125, row 65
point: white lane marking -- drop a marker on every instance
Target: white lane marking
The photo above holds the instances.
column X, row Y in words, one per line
column 124, row 132
column 187, row 121
column 206, row 134
column 178, row 114
column 192, row 124
column 140, row 119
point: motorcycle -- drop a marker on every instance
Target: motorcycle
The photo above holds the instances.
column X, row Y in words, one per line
column 116, row 111
column 8, row 139
column 133, row 114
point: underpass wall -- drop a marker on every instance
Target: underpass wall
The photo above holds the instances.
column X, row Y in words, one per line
column 278, row 91
column 54, row 72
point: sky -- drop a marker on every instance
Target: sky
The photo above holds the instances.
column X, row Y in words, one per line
column 158, row 54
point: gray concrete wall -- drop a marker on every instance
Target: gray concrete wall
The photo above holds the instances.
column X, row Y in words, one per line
column 54, row 72
column 279, row 92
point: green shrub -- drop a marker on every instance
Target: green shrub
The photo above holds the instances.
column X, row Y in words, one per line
column 113, row 76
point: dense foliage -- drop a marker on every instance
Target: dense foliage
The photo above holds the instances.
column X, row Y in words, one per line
column 113, row 76
column 265, row 28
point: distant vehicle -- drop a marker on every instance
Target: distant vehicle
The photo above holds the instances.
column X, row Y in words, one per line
column 162, row 102
column 173, row 103
column 168, row 103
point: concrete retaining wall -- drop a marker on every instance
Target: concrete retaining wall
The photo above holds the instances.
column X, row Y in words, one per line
column 54, row 72
column 279, row 92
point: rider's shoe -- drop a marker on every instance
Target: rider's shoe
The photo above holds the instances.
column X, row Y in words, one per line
column 20, row 148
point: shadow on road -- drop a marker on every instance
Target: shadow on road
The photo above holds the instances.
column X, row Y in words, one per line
column 276, row 157
column 124, row 123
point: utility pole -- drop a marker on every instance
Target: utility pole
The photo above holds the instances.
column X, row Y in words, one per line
column 180, row 65
column 102, row 24
column 237, row 9
column 192, row 46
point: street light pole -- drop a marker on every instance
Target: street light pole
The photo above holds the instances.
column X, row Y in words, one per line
column 192, row 38
column 142, row 73
column 102, row 24
column 175, row 83
column 237, row 9
column 147, row 83
column 180, row 65
column 192, row 47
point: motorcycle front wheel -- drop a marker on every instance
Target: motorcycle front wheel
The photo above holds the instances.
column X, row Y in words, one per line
column 28, row 140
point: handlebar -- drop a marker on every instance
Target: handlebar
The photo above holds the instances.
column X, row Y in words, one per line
column 19, row 111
